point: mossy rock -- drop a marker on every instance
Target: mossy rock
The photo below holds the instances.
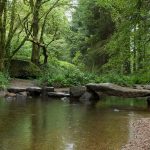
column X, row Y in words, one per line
column 23, row 69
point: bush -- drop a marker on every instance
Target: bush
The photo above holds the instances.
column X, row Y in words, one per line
column 125, row 80
column 3, row 80
column 115, row 78
column 63, row 74
column 142, row 78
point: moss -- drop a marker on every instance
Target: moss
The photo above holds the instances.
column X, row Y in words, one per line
column 23, row 69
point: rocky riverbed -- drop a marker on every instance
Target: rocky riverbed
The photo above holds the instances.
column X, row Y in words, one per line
column 141, row 136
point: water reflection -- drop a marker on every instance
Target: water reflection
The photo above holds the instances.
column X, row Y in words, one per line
column 55, row 125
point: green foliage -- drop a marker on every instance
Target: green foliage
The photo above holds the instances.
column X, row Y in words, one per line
column 63, row 74
column 127, row 48
column 3, row 80
column 92, row 26
column 125, row 80
column 25, row 51
column 141, row 78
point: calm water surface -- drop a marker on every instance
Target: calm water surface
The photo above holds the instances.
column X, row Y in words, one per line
column 57, row 125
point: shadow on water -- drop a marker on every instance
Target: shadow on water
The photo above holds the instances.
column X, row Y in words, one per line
column 38, row 124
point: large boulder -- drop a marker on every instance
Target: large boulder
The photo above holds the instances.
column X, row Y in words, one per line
column 77, row 91
column 23, row 69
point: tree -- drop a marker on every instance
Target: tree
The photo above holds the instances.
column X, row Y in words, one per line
column 128, row 47
column 40, row 15
column 10, row 31
column 92, row 26
column 2, row 32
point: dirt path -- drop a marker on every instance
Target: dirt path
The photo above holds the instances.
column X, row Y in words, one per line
column 29, row 83
column 22, row 83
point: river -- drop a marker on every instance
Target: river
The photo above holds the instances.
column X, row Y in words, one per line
column 53, row 124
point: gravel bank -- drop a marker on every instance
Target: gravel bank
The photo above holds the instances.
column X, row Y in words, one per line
column 141, row 136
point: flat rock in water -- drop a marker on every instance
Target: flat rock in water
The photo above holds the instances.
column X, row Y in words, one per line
column 116, row 90
column 34, row 89
column 48, row 89
column 16, row 89
column 8, row 94
column 147, row 87
column 58, row 94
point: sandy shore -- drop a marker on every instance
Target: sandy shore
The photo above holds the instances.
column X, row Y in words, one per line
column 141, row 136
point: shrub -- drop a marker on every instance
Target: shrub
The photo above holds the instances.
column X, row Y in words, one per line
column 62, row 74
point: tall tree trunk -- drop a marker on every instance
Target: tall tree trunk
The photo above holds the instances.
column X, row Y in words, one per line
column 35, row 48
column 139, row 38
column 2, row 33
column 11, row 28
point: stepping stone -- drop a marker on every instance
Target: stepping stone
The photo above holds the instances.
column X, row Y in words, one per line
column 58, row 94
column 16, row 89
column 48, row 89
column 34, row 91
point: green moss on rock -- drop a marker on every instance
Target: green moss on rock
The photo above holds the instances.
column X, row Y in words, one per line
column 23, row 69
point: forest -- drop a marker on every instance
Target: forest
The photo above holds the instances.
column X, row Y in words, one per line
column 74, row 74
column 74, row 42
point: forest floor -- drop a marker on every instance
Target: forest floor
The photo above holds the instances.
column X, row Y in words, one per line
column 22, row 83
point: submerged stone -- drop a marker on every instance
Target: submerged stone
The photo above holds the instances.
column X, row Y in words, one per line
column 89, row 98
column 77, row 91
column 58, row 94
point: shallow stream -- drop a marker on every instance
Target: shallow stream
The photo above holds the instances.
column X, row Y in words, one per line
column 53, row 124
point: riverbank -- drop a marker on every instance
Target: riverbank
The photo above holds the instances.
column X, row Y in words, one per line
column 90, row 91
column 141, row 136
column 21, row 84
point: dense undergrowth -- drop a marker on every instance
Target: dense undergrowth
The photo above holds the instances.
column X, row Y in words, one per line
column 62, row 74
